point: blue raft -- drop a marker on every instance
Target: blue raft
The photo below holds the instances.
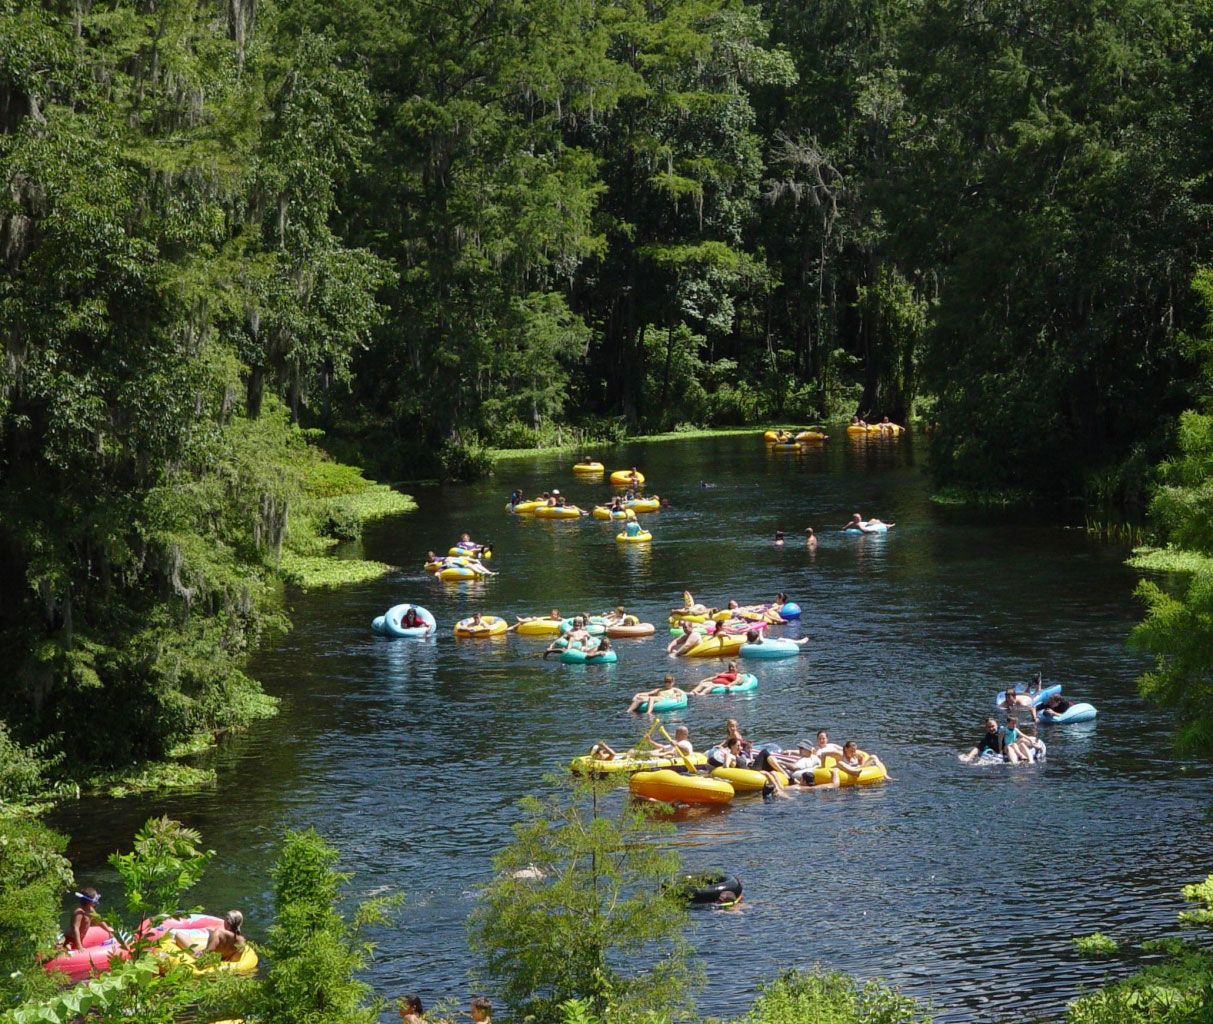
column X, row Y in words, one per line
column 1080, row 712
column 1037, row 698
column 771, row 647
column 392, row 618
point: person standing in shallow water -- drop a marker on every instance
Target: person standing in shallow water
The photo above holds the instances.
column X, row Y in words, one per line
column 411, row 1010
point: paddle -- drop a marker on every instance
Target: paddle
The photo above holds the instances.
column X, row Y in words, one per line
column 690, row 766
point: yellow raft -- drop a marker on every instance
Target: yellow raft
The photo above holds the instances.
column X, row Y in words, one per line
column 602, row 512
column 746, row 780
column 811, row 435
column 589, row 468
column 246, row 963
column 623, row 477
column 643, row 537
column 875, row 430
column 588, row 765
column 671, row 787
column 525, row 506
column 557, row 512
column 490, row 625
column 719, row 645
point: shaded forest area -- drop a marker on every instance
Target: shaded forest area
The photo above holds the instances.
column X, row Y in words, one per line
column 230, row 228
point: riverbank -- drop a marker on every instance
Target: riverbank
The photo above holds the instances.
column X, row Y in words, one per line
column 506, row 454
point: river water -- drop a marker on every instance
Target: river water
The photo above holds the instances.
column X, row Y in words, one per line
column 961, row 884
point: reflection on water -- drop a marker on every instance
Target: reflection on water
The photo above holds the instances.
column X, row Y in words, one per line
column 410, row 756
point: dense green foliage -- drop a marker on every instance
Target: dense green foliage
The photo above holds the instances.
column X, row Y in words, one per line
column 1176, row 990
column 172, row 289
column 315, row 952
column 715, row 211
column 33, row 875
column 314, row 957
column 577, row 890
column 425, row 228
column 1178, row 628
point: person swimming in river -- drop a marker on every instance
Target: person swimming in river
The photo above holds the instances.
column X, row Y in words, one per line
column 686, row 641
column 989, row 742
column 867, row 526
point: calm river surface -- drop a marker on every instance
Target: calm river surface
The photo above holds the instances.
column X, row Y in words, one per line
column 961, row 884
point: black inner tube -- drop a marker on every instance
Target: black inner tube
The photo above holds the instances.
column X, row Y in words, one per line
column 708, row 888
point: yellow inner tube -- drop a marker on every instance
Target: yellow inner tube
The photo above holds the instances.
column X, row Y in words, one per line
column 623, row 477
column 556, row 512
column 643, row 537
column 810, row 435
column 525, row 506
column 644, row 504
column 460, row 553
column 868, row 775
column 589, row 467
column 602, row 512
column 490, row 625
column 538, row 627
column 591, row 765
column 456, row 572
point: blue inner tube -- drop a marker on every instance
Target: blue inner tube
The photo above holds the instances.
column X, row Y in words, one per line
column 1037, row 699
column 791, row 610
column 772, row 647
column 1080, row 712
column 674, row 704
column 878, row 528
column 392, row 619
column 574, row 656
column 746, row 681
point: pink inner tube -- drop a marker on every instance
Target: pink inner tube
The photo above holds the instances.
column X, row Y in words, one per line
column 640, row 629
column 80, row 964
